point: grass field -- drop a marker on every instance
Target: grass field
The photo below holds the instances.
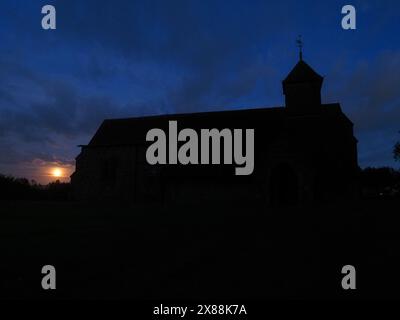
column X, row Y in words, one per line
column 106, row 251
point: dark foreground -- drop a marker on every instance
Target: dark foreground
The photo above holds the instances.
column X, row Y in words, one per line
column 192, row 253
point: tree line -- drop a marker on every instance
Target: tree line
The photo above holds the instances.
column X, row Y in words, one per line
column 12, row 188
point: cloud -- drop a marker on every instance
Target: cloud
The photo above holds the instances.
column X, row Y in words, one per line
column 111, row 59
column 370, row 97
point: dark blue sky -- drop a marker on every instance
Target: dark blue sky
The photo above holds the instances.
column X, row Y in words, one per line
column 127, row 58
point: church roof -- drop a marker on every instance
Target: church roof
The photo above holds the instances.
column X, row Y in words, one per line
column 133, row 130
column 302, row 72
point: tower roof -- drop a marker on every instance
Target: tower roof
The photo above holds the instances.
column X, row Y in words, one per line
column 302, row 72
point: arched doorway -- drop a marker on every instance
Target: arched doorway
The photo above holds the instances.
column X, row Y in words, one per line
column 283, row 186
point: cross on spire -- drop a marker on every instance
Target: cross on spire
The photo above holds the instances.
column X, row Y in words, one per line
column 299, row 43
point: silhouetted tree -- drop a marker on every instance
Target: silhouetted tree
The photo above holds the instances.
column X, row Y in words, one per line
column 396, row 151
column 58, row 190
column 22, row 189
column 380, row 181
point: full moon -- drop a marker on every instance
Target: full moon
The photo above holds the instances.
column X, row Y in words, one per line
column 57, row 172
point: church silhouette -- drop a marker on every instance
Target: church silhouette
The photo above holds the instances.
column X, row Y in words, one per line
column 305, row 152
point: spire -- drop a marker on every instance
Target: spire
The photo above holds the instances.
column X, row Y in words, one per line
column 299, row 43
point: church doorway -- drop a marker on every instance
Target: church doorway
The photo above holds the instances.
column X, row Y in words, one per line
column 283, row 186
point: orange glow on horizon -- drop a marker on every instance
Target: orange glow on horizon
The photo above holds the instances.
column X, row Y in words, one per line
column 57, row 173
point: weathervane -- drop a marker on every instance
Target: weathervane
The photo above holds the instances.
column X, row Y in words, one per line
column 299, row 43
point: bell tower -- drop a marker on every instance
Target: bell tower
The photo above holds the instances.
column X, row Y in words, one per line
column 302, row 87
